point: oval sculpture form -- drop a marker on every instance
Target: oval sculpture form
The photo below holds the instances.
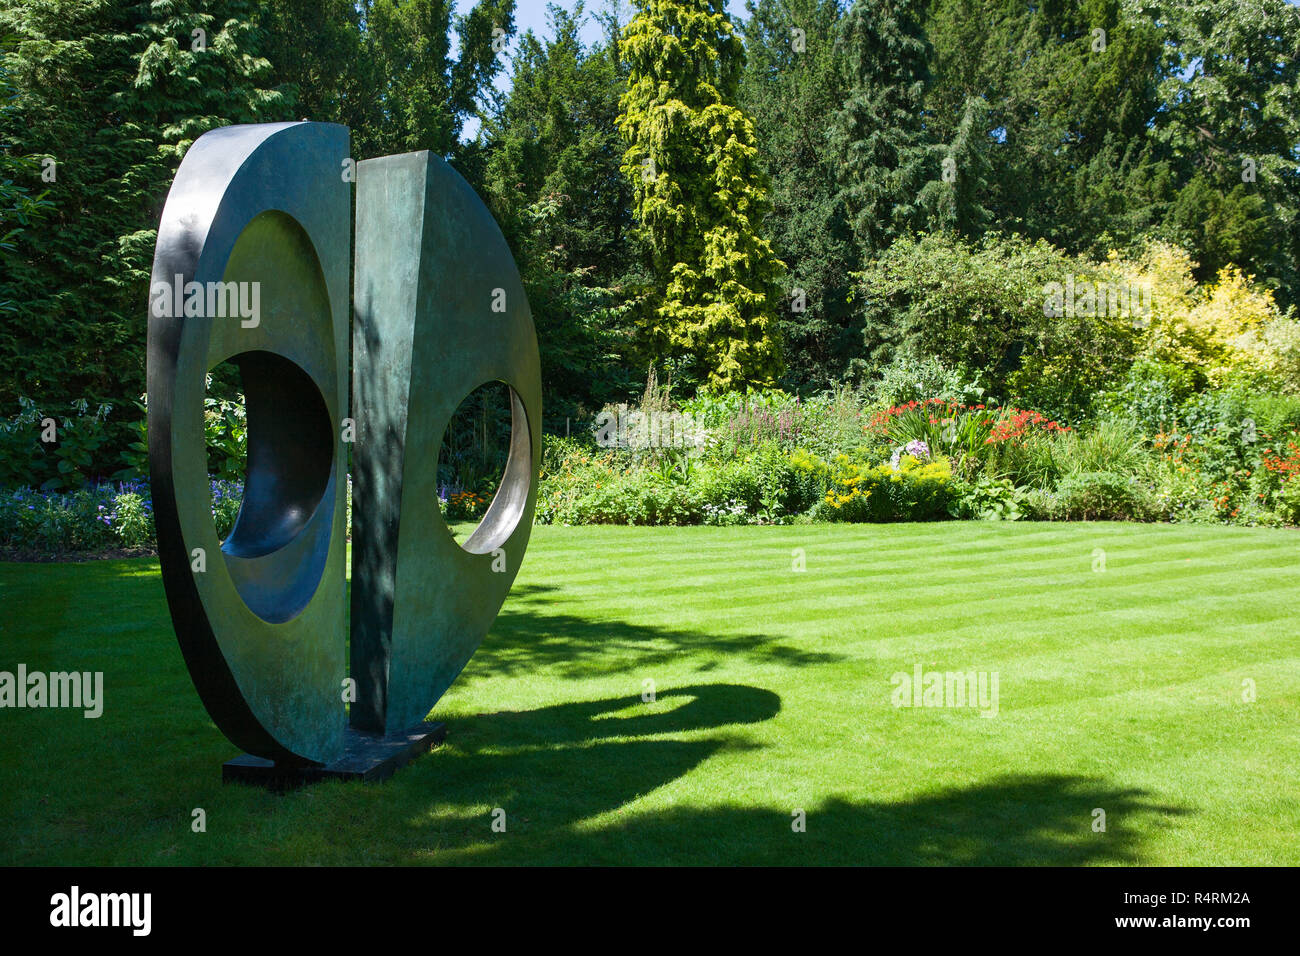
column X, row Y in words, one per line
column 251, row 267
column 440, row 310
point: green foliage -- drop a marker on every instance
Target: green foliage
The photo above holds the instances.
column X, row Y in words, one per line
column 19, row 205
column 764, row 487
column 791, row 84
column 225, row 426
column 983, row 306
column 699, row 192
column 908, row 379
column 319, row 60
column 1111, row 444
column 933, row 167
column 553, row 181
column 80, row 436
column 1062, row 94
column 109, row 95
column 1152, row 393
column 131, row 518
column 227, row 497
column 135, row 456
column 1103, row 496
column 474, row 449
column 1289, row 502
column 884, row 160
column 53, row 449
column 986, row 498
column 23, row 462
column 553, row 176
column 914, row 491
column 464, row 506
column 420, row 95
column 1231, row 97
column 63, row 522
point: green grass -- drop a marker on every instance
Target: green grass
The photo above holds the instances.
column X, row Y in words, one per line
column 1120, row 690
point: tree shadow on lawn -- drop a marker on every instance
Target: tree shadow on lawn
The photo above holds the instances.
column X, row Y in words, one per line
column 1013, row 821
column 523, row 640
column 566, row 775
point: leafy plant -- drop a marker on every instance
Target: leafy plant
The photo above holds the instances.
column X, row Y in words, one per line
column 987, row 498
column 225, row 427
column 135, row 456
column 80, row 437
column 1101, row 495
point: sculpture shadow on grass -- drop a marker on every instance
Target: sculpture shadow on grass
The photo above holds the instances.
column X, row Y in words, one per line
column 525, row 638
column 676, row 710
column 556, row 765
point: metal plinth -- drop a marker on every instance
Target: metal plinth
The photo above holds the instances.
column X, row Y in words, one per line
column 366, row 757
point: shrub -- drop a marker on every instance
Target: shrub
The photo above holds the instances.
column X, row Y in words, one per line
column 637, row 497
column 23, row 463
column 225, row 427
column 227, row 495
column 913, row 492
column 1112, row 444
column 464, row 506
column 828, row 423
column 60, row 522
column 1289, row 502
column 97, row 518
column 1102, row 495
column 982, row 304
column 810, row 478
column 987, row 498
column 1152, row 394
column 907, row 379
column 132, row 519
column 767, row 482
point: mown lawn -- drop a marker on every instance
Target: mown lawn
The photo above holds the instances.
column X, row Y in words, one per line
column 1121, row 690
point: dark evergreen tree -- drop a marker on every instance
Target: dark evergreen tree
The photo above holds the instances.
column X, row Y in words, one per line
column 791, row 86
column 554, row 183
column 109, row 96
column 879, row 134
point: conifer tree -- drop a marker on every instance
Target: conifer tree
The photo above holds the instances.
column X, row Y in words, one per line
column 109, row 96
column 699, row 192
column 792, row 85
column 879, row 135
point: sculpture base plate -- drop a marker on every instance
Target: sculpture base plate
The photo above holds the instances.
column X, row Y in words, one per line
column 366, row 757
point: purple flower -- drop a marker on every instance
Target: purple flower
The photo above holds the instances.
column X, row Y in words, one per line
column 917, row 449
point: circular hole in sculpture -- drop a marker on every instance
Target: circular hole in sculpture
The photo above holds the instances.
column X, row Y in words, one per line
column 485, row 467
column 282, row 438
column 225, row 432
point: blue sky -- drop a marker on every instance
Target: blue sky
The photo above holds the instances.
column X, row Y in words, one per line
column 531, row 15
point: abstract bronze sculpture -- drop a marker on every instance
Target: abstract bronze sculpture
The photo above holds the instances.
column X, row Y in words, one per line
column 262, row 618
